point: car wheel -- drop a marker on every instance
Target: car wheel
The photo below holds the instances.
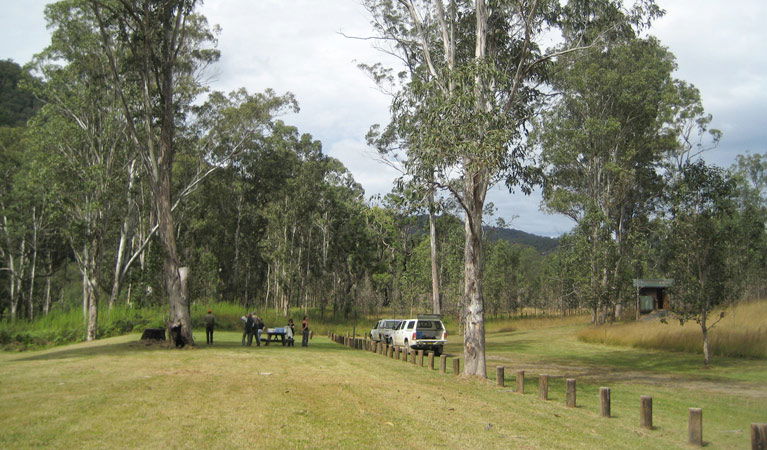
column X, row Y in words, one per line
column 438, row 351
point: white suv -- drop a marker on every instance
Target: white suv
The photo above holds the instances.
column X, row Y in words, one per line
column 383, row 330
column 426, row 332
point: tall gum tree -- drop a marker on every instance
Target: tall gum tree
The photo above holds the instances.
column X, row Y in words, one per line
column 155, row 49
column 475, row 70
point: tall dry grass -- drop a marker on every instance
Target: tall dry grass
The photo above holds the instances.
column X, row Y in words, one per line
column 742, row 333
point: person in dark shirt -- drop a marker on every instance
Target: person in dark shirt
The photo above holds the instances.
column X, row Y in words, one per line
column 305, row 332
column 210, row 323
column 248, row 329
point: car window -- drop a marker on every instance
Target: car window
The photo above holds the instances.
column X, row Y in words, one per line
column 410, row 325
column 429, row 325
column 390, row 324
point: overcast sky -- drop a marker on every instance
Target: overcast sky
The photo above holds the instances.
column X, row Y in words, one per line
column 295, row 45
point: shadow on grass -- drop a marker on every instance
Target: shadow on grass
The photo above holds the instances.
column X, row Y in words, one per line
column 135, row 346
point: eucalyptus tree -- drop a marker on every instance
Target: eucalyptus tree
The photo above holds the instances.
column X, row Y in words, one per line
column 706, row 245
column 155, row 50
column 603, row 143
column 81, row 142
column 474, row 72
column 13, row 239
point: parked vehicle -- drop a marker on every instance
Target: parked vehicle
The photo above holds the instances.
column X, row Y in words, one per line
column 383, row 329
column 426, row 332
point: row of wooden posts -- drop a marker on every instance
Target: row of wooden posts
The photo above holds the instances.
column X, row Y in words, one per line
column 694, row 425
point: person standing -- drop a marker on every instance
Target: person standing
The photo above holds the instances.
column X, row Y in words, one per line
column 259, row 330
column 290, row 331
column 305, row 332
column 210, row 323
column 248, row 329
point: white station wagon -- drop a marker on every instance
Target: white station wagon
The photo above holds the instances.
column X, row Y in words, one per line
column 426, row 332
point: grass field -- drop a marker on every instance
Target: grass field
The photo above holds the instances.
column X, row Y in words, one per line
column 119, row 393
column 742, row 332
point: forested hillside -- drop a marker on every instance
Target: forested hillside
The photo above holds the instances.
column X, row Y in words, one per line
column 541, row 243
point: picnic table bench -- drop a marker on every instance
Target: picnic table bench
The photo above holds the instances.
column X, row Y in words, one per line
column 274, row 335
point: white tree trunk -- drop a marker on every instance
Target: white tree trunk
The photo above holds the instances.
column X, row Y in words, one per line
column 436, row 303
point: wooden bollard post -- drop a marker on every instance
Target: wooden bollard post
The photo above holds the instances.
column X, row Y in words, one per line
column 431, row 360
column 759, row 436
column 500, row 378
column 570, row 396
column 695, row 427
column 413, row 354
column 420, row 358
column 520, row 382
column 456, row 366
column 604, row 401
column 443, row 363
column 543, row 387
column 645, row 412
column 392, row 352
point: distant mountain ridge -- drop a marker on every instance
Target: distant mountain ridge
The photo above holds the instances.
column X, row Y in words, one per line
column 541, row 243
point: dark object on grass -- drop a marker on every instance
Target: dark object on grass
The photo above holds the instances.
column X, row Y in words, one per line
column 175, row 335
column 153, row 334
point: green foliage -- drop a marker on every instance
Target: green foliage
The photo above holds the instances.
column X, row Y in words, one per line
column 706, row 249
column 16, row 104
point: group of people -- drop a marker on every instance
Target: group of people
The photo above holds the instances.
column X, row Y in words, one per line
column 254, row 325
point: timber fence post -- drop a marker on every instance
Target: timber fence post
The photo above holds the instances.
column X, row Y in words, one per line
column 456, row 366
column 520, row 382
column 604, row 401
column 645, row 412
column 695, row 427
column 570, row 396
column 420, row 358
column 443, row 363
column 500, row 379
column 543, row 387
column 759, row 436
column 431, row 360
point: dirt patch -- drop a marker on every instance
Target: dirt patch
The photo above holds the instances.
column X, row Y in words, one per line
column 605, row 375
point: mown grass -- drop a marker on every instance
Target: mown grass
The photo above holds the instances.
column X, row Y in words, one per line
column 742, row 333
column 118, row 392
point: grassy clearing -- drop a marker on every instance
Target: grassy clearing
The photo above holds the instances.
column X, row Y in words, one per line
column 117, row 392
column 64, row 327
column 742, row 332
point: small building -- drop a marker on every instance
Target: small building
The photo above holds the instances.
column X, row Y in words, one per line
column 652, row 295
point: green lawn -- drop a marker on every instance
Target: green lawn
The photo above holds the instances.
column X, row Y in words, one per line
column 117, row 392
